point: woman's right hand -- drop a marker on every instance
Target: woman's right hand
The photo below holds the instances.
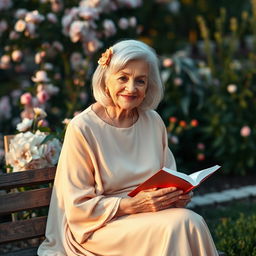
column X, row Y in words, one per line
column 149, row 201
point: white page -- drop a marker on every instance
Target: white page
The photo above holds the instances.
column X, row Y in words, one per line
column 200, row 175
column 181, row 175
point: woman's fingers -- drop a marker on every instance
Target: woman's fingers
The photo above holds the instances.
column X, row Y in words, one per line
column 159, row 199
column 187, row 196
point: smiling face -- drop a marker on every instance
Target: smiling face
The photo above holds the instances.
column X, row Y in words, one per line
column 127, row 87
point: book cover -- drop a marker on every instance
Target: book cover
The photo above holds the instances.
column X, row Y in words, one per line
column 168, row 178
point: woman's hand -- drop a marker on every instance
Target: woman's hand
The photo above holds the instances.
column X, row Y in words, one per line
column 183, row 200
column 149, row 201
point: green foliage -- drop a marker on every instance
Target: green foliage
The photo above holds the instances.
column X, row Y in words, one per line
column 217, row 87
column 233, row 226
column 237, row 237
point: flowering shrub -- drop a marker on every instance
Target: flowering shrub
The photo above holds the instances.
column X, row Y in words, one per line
column 237, row 236
column 229, row 122
column 34, row 147
column 51, row 46
column 218, row 89
column 28, row 151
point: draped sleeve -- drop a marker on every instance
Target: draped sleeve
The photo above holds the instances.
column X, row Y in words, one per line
column 169, row 160
column 80, row 186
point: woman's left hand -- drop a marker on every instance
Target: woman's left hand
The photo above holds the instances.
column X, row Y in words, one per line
column 184, row 199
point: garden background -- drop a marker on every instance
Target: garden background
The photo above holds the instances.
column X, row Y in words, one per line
column 207, row 50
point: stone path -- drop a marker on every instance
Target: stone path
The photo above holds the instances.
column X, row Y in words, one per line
column 223, row 196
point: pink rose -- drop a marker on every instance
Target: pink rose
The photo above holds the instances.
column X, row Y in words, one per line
column 200, row 157
column 27, row 113
column 245, row 131
column 167, row 62
column 26, row 98
column 42, row 96
column 200, row 146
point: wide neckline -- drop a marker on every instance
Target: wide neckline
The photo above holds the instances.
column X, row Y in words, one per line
column 103, row 121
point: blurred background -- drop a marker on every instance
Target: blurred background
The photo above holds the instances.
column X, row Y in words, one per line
column 207, row 51
column 49, row 50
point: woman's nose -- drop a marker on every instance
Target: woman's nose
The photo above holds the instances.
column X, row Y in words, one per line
column 131, row 87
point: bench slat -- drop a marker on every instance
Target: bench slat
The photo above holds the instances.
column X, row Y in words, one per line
column 23, row 252
column 22, row 229
column 27, row 178
column 14, row 202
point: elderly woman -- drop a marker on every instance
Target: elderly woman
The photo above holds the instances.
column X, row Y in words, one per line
column 109, row 149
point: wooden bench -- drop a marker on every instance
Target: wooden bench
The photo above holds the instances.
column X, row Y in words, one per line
column 36, row 196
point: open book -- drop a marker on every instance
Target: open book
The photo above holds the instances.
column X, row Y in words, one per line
column 168, row 178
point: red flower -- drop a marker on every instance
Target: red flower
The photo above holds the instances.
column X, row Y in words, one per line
column 200, row 157
column 173, row 119
column 194, row 123
column 183, row 123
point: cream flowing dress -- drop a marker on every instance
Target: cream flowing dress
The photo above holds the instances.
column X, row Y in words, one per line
column 99, row 164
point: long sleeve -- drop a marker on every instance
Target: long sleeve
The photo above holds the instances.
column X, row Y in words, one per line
column 86, row 208
column 169, row 160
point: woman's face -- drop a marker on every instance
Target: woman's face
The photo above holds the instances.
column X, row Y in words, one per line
column 127, row 88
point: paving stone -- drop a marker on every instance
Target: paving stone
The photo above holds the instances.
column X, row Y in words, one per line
column 219, row 197
column 250, row 189
column 223, row 196
column 201, row 200
column 230, row 192
column 239, row 193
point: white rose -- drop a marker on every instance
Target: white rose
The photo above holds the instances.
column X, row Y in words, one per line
column 123, row 23
column 41, row 76
column 52, row 151
column 24, row 125
column 232, row 88
column 20, row 26
column 52, row 17
column 17, row 55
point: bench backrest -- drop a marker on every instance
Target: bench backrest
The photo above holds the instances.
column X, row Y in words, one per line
column 36, row 195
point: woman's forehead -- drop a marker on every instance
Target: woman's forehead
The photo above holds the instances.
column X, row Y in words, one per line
column 133, row 66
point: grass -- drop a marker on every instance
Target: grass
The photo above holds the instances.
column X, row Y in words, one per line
column 233, row 226
column 215, row 213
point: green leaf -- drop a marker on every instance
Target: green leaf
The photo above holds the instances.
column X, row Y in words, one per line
column 48, row 138
column 44, row 129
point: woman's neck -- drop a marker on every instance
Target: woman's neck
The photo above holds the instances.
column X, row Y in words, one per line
column 115, row 116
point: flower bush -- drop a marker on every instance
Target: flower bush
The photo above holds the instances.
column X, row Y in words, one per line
column 34, row 147
column 52, row 46
column 28, row 151
column 237, row 236
column 229, row 122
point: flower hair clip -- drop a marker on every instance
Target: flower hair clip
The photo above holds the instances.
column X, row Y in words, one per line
column 106, row 57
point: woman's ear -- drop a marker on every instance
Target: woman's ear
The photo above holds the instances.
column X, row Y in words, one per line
column 107, row 90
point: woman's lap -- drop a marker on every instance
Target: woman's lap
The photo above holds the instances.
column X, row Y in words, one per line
column 149, row 234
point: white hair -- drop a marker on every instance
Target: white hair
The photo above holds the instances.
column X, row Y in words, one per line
column 123, row 52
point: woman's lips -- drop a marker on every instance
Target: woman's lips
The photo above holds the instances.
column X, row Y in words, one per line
column 129, row 97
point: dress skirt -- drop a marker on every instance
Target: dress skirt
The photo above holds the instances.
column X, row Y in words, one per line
column 171, row 232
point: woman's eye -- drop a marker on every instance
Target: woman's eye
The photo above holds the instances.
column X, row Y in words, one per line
column 123, row 78
column 140, row 81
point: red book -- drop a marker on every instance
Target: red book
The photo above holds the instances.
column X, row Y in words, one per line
column 168, row 178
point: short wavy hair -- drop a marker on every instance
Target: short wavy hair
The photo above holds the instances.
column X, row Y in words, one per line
column 123, row 52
